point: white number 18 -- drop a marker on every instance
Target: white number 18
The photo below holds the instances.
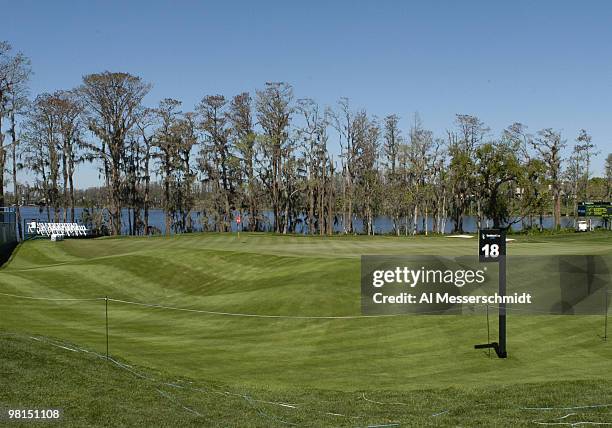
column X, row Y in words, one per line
column 491, row 250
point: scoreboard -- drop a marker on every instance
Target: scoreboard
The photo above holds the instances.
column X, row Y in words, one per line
column 595, row 209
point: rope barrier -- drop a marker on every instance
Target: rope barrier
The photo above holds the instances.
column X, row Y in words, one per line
column 247, row 398
column 123, row 366
column 571, row 424
column 247, row 315
column 594, row 406
column 178, row 403
column 261, row 412
column 251, row 400
column 380, row 402
column 468, row 308
column 50, row 298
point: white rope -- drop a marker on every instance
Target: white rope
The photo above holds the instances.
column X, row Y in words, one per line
column 291, row 406
column 166, row 395
column 571, row 424
column 57, row 346
column 237, row 314
column 248, row 315
column 262, row 413
column 380, row 402
column 594, row 406
column 51, row 299
column 250, row 400
column 175, row 401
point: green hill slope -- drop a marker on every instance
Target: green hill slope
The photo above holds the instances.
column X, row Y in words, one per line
column 275, row 275
column 43, row 373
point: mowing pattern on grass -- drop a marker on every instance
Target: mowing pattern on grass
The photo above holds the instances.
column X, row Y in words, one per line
column 264, row 274
column 91, row 391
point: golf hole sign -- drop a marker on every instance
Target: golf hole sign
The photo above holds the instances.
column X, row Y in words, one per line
column 491, row 245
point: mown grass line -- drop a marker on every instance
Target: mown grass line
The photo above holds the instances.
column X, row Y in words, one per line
column 40, row 372
column 294, row 275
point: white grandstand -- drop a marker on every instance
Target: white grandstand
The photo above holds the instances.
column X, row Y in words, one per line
column 56, row 231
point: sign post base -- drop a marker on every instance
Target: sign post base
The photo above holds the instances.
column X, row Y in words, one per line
column 500, row 353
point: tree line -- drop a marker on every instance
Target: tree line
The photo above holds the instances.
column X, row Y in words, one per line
column 266, row 156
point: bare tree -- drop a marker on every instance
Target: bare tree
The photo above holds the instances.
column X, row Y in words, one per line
column 68, row 111
column 313, row 140
column 167, row 142
column 608, row 172
column 419, row 152
column 548, row 144
column 393, row 139
column 439, row 186
column 274, row 109
column 367, row 177
column 42, row 151
column 395, row 187
column 15, row 72
column 574, row 174
column 586, row 149
column 344, row 122
column 18, row 106
column 462, row 144
column 113, row 101
column 243, row 140
column 145, row 124
column 216, row 157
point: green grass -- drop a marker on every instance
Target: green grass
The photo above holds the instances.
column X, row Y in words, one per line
column 425, row 362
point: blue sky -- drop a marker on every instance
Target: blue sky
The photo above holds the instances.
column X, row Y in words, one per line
column 543, row 63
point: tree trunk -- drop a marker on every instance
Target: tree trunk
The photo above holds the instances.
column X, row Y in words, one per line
column 479, row 217
column 65, row 179
column 227, row 224
column 286, row 219
column 167, row 197
column 330, row 205
column 311, row 203
column 557, row 209
column 115, row 211
column 14, row 170
column 145, row 202
column 71, row 192
column 2, row 165
column 344, row 205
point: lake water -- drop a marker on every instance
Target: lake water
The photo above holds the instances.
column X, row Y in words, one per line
column 382, row 224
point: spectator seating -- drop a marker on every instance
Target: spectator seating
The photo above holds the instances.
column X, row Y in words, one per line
column 63, row 229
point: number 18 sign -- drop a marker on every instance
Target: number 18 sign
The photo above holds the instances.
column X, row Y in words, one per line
column 491, row 244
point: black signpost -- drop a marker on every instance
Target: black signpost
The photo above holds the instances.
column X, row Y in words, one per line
column 492, row 249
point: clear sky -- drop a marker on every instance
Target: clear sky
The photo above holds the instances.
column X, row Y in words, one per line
column 543, row 63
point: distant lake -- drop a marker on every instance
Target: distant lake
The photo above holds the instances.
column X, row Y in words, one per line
column 382, row 224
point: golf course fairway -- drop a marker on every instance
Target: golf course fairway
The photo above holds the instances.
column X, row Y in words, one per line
column 303, row 356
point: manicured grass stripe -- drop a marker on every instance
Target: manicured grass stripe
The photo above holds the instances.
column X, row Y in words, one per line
column 287, row 275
